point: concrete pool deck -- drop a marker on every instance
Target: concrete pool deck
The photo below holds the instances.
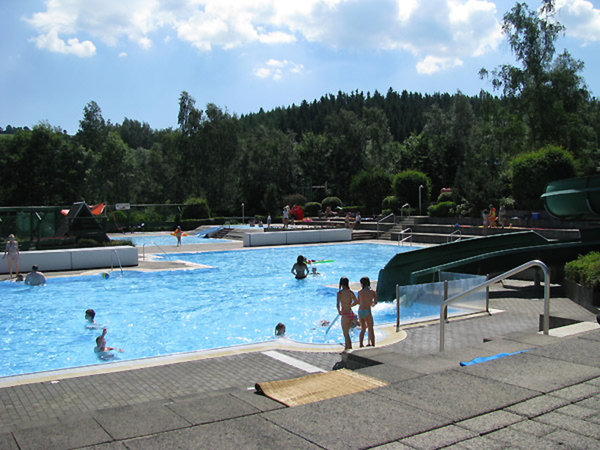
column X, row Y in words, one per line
column 545, row 397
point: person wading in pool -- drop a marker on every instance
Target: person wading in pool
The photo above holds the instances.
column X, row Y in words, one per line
column 345, row 301
column 35, row 277
column 300, row 269
column 367, row 298
column 101, row 349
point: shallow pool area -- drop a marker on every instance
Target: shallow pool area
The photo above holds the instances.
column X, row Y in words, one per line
column 237, row 300
column 163, row 239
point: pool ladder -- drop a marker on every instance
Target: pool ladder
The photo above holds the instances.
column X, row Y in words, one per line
column 155, row 245
column 118, row 260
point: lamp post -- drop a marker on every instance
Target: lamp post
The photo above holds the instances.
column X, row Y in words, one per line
column 243, row 216
column 420, row 187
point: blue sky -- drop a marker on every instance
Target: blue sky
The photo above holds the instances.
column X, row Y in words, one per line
column 134, row 57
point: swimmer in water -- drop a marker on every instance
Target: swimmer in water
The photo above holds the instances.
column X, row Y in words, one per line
column 280, row 329
column 300, row 269
column 91, row 324
column 35, row 277
column 102, row 349
column 314, row 272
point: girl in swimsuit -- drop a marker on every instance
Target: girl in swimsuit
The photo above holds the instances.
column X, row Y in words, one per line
column 367, row 298
column 345, row 301
column 11, row 253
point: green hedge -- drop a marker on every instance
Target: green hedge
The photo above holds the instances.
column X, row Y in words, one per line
column 312, row 208
column 585, row 270
column 333, row 202
column 442, row 209
column 195, row 208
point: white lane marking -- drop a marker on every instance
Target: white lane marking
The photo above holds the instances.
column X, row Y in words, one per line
column 293, row 361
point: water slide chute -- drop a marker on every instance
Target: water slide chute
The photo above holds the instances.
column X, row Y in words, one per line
column 573, row 197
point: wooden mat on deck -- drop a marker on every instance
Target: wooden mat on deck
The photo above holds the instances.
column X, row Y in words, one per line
column 317, row 387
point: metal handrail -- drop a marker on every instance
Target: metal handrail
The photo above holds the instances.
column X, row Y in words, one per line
column 409, row 237
column 381, row 220
column 510, row 273
column 155, row 245
column 449, row 237
column 405, row 206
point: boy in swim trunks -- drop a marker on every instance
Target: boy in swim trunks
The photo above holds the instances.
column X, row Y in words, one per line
column 367, row 298
column 101, row 344
column 345, row 301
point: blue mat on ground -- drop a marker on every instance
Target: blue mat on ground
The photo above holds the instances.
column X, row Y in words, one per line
column 481, row 359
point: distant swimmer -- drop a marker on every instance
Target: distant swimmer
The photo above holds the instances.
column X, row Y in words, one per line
column 102, row 350
column 35, row 277
column 300, row 269
column 314, row 272
column 280, row 329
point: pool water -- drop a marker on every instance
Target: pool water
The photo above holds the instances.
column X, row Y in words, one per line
column 162, row 239
column 238, row 300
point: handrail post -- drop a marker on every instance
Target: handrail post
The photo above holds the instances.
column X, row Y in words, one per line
column 487, row 295
column 397, row 308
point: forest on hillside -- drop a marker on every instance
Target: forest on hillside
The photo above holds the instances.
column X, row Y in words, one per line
column 539, row 123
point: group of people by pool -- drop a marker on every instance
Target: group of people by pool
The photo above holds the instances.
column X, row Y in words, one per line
column 346, row 299
column 12, row 255
column 102, row 350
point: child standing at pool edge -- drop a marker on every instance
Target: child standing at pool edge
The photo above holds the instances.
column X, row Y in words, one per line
column 367, row 298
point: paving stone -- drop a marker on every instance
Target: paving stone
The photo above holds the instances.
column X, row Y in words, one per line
column 580, row 351
column 518, row 439
column 260, row 402
column 490, row 422
column 532, row 427
column 388, row 372
column 392, row 446
column 591, row 403
column 454, row 394
column 550, row 374
column 577, row 411
column 594, row 381
column 572, row 424
column 211, row 409
column 69, row 435
column 577, row 392
column 572, row 440
column 355, row 421
column 251, row 432
column 138, row 420
column 7, row 441
column 439, row 437
column 478, row 443
column 537, row 406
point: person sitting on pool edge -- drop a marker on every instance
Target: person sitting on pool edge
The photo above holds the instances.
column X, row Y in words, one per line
column 35, row 277
column 300, row 269
column 280, row 329
column 101, row 347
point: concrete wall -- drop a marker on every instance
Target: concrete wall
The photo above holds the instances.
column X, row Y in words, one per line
column 297, row 237
column 76, row 258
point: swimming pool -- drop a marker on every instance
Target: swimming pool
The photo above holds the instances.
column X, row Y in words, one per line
column 162, row 239
column 238, row 300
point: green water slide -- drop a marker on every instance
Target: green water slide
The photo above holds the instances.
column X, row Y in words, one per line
column 483, row 255
column 573, row 198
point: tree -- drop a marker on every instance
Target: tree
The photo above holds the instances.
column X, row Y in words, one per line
column 531, row 172
column 405, row 186
column 370, row 188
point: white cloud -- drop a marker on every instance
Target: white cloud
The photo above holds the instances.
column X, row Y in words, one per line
column 433, row 64
column 432, row 30
column 51, row 41
column 581, row 19
column 277, row 69
column 123, row 55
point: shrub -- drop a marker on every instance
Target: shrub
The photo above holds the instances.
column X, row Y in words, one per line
column 406, row 184
column 532, row 171
column 391, row 203
column 370, row 188
column 446, row 197
column 294, row 199
column 332, row 202
column 442, row 209
column 195, row 208
column 312, row 208
column 585, row 270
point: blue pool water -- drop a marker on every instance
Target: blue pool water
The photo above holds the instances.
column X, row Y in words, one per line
column 163, row 239
column 239, row 300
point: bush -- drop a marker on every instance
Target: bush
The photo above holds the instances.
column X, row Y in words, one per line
column 370, row 188
column 585, row 270
column 531, row 172
column 446, row 197
column 195, row 208
column 332, row 202
column 294, row 199
column 312, row 208
column 391, row 203
column 406, row 184
column 442, row 209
